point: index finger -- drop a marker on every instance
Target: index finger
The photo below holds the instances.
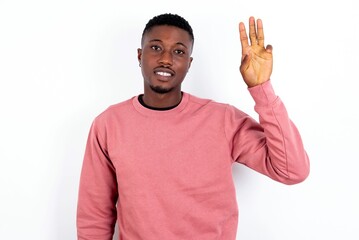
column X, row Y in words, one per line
column 243, row 37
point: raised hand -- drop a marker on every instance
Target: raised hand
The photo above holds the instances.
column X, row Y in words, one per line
column 257, row 60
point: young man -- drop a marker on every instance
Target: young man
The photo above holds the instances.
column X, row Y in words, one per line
column 161, row 163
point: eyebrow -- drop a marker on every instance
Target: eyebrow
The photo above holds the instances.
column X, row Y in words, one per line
column 177, row 43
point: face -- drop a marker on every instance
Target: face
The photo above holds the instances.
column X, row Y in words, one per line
column 165, row 58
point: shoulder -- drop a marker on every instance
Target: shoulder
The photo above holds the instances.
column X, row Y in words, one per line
column 213, row 108
column 206, row 102
column 112, row 111
column 214, row 105
column 228, row 108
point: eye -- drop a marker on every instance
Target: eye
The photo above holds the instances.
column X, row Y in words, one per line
column 179, row 52
column 156, row 48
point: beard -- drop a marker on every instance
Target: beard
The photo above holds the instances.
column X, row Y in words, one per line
column 160, row 90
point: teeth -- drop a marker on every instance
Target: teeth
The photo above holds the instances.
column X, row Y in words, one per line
column 164, row 74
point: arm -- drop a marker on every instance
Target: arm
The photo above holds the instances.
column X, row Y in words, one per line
column 274, row 147
column 96, row 212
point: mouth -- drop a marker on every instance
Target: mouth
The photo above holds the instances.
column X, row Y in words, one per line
column 164, row 74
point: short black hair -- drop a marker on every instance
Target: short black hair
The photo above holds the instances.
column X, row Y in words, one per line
column 170, row 20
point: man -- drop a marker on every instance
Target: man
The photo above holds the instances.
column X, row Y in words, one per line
column 160, row 163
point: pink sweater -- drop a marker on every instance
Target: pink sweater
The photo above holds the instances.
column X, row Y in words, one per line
column 167, row 175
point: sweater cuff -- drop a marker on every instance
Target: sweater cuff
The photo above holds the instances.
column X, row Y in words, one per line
column 263, row 94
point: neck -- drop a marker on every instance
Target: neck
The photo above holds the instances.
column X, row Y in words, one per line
column 162, row 100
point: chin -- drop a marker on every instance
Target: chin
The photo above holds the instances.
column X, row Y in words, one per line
column 161, row 90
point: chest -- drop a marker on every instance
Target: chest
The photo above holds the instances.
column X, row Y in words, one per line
column 164, row 156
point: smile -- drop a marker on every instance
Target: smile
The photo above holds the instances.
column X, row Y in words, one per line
column 165, row 74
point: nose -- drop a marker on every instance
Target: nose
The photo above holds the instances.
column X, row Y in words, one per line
column 166, row 58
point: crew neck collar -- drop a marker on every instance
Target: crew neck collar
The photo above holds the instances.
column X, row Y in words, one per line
column 160, row 112
column 140, row 99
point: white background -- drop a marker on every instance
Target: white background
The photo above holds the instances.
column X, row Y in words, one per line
column 63, row 62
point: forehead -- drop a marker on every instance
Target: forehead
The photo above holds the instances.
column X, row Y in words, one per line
column 167, row 33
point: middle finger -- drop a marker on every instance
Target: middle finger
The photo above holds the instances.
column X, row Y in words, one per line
column 252, row 31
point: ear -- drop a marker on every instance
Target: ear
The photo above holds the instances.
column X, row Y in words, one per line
column 139, row 54
column 189, row 64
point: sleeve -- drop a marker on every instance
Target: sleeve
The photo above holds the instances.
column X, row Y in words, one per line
column 273, row 146
column 96, row 208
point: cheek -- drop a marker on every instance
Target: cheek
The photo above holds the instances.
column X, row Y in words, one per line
column 185, row 67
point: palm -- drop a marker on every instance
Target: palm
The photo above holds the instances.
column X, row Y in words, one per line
column 257, row 61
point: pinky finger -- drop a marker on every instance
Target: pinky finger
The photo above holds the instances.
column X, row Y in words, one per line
column 269, row 48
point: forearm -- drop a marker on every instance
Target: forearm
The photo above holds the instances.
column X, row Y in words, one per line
column 285, row 157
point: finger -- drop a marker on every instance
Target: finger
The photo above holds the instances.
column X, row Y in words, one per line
column 269, row 48
column 260, row 33
column 244, row 38
column 252, row 31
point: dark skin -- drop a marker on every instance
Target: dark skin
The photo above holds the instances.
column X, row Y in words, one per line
column 165, row 58
column 257, row 60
